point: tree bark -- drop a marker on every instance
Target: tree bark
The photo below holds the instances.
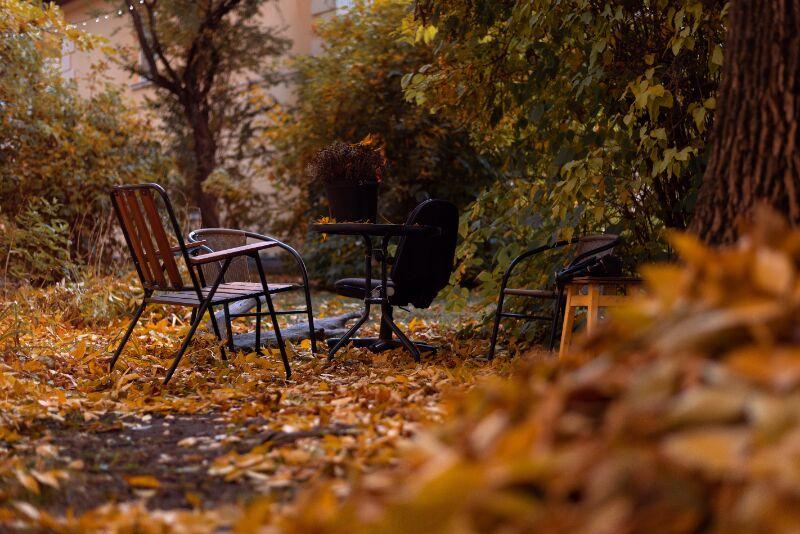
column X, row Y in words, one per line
column 205, row 150
column 755, row 155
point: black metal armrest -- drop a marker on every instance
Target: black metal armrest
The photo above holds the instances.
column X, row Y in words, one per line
column 292, row 252
column 191, row 246
column 197, row 236
column 533, row 252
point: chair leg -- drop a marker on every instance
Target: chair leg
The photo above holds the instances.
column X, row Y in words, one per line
column 309, row 310
column 127, row 335
column 271, row 308
column 557, row 307
column 410, row 347
column 215, row 326
column 496, row 328
column 258, row 325
column 228, row 325
column 204, row 306
column 346, row 337
column 593, row 311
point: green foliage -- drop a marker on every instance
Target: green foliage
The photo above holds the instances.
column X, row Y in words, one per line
column 353, row 89
column 34, row 246
column 598, row 112
column 59, row 152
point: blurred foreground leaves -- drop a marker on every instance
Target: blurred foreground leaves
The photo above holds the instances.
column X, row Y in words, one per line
column 682, row 415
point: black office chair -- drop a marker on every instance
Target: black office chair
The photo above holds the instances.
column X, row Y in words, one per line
column 421, row 268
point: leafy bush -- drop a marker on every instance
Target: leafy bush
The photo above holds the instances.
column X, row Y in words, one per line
column 353, row 89
column 34, row 246
column 58, row 149
column 598, row 113
column 684, row 417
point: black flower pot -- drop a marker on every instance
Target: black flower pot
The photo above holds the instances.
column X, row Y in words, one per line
column 353, row 202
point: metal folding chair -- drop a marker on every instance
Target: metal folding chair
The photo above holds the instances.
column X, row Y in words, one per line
column 587, row 247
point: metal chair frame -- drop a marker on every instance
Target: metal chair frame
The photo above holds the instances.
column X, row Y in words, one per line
column 196, row 236
column 146, row 254
column 558, row 303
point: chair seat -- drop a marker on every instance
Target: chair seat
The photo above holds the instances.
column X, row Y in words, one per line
column 535, row 293
column 354, row 287
column 228, row 292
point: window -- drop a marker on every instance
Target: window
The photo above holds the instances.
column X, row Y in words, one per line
column 67, row 48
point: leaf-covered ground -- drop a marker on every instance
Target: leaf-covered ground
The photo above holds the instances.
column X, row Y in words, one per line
column 81, row 448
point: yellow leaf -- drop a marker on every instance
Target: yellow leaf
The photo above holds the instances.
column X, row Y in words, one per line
column 663, row 281
column 143, row 481
column 717, row 57
column 80, row 349
column 773, row 272
column 48, row 478
column 689, row 247
column 28, row 481
column 714, row 450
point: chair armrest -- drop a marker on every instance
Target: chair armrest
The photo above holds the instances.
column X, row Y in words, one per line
column 189, row 246
column 228, row 253
column 533, row 252
column 301, row 265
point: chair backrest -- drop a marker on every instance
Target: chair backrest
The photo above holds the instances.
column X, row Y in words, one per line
column 602, row 243
column 241, row 269
column 147, row 239
column 423, row 265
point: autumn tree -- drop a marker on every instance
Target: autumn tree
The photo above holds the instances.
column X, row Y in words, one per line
column 211, row 64
column 756, row 139
column 59, row 151
column 352, row 89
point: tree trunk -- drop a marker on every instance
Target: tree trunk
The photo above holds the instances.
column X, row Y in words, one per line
column 204, row 164
column 755, row 156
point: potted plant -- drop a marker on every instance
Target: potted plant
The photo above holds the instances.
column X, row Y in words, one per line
column 351, row 174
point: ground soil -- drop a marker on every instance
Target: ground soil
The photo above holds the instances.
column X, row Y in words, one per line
column 113, row 448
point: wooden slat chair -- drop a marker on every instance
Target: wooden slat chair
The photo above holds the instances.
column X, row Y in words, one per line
column 588, row 246
column 244, row 270
column 154, row 257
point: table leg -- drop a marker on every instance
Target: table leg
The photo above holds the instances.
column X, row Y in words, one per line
column 593, row 312
column 569, row 322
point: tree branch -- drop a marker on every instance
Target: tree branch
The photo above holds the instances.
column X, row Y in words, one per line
column 153, row 73
column 150, row 8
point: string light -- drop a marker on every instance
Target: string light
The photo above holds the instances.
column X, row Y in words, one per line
column 98, row 18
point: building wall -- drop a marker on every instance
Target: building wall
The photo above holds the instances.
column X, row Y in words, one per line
column 295, row 17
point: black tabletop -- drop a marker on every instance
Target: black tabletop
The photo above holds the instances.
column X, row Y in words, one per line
column 371, row 229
